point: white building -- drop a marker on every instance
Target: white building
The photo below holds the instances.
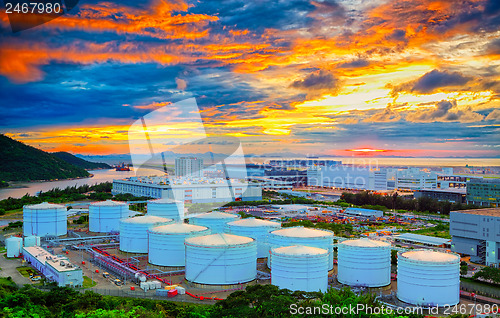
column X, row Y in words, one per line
column 347, row 177
column 190, row 190
column 271, row 184
column 55, row 268
column 189, row 166
column 416, row 179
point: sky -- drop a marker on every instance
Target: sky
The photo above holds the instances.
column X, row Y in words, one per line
column 403, row 78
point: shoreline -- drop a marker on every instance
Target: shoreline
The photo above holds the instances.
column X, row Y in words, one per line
column 24, row 184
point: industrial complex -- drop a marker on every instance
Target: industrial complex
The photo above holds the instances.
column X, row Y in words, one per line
column 167, row 249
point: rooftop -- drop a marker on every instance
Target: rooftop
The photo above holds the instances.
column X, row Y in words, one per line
column 253, row 222
column 431, row 256
column 220, row 239
column 364, row 242
column 178, row 228
column 422, row 239
column 108, row 203
column 45, row 205
column 146, row 219
column 55, row 261
column 486, row 212
column 216, row 215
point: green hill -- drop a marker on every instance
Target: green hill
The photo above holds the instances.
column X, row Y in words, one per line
column 20, row 162
column 79, row 162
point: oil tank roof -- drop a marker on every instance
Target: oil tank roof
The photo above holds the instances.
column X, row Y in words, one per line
column 14, row 238
column 164, row 201
column 178, row 228
column 430, row 256
column 364, row 242
column 216, row 215
column 299, row 231
column 253, row 222
column 146, row 219
column 220, row 239
column 45, row 205
column 108, row 203
column 299, row 250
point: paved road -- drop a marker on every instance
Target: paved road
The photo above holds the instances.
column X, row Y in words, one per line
column 9, row 269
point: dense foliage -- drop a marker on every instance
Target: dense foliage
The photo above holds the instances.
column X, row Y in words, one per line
column 20, row 162
column 256, row 301
column 398, row 202
column 338, row 229
column 489, row 274
column 79, row 162
column 3, row 184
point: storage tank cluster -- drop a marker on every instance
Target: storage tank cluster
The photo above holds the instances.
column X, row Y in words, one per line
column 166, row 208
column 215, row 221
column 134, row 232
column 364, row 262
column 44, row 219
column 169, row 240
column 221, row 259
column 428, row 278
column 256, row 229
column 105, row 216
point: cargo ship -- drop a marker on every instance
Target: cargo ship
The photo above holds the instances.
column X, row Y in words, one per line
column 122, row 167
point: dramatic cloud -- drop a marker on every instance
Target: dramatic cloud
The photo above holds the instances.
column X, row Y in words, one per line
column 433, row 81
column 385, row 116
column 494, row 115
column 444, row 111
column 317, row 82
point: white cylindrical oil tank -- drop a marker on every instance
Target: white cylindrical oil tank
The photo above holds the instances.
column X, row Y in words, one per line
column 166, row 208
column 32, row 241
column 221, row 259
column 134, row 232
column 45, row 219
column 166, row 243
column 215, row 221
column 364, row 262
column 256, row 229
column 105, row 216
column 299, row 235
column 300, row 267
column 428, row 278
column 14, row 246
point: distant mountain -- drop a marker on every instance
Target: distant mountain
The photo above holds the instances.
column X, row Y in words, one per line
column 20, row 162
column 79, row 162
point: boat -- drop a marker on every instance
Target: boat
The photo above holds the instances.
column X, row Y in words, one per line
column 122, row 167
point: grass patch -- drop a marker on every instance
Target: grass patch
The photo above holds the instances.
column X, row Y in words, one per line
column 87, row 282
column 26, row 271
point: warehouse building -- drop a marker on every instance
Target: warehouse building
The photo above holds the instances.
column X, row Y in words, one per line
column 456, row 195
column 189, row 190
column 425, row 240
column 364, row 212
column 55, row 268
column 484, row 192
column 477, row 233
